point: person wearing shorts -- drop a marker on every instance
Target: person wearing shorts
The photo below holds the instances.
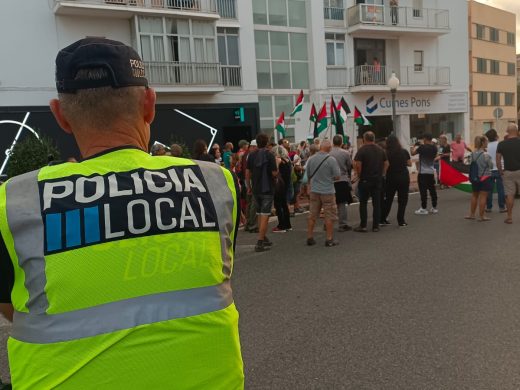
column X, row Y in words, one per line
column 260, row 173
column 322, row 171
column 509, row 151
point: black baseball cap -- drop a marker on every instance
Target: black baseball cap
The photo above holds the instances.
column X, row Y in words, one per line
column 124, row 66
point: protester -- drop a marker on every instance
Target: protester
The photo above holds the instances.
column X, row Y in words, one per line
column 443, row 154
column 397, row 179
column 509, row 150
column 296, row 178
column 371, row 165
column 283, row 181
column 260, row 174
column 216, row 155
column 322, row 171
column 227, row 156
column 426, row 177
column 251, row 218
column 200, row 151
column 176, row 150
column 481, row 188
column 158, row 150
column 85, row 317
column 496, row 179
column 342, row 185
column 458, row 149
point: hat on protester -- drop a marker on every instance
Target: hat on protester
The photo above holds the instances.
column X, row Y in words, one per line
column 124, row 66
column 253, row 143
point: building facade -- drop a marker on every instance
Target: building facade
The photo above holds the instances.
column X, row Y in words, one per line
column 237, row 64
column 492, row 56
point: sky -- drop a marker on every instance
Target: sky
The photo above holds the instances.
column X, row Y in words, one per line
column 511, row 6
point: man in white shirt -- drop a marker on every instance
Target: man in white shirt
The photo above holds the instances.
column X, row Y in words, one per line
column 496, row 179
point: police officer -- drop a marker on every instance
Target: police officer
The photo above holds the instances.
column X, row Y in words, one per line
column 118, row 268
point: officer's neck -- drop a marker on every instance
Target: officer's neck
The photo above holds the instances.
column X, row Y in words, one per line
column 94, row 142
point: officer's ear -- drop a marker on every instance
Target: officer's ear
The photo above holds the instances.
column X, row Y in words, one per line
column 58, row 114
column 149, row 105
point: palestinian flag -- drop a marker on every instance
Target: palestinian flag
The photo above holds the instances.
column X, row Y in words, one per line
column 280, row 124
column 314, row 115
column 299, row 104
column 360, row 119
column 452, row 177
column 321, row 122
column 343, row 109
column 336, row 118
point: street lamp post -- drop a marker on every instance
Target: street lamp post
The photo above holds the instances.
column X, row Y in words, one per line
column 393, row 84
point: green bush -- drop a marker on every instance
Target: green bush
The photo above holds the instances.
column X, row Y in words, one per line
column 30, row 154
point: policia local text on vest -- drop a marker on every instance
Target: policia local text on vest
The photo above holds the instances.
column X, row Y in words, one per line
column 122, row 262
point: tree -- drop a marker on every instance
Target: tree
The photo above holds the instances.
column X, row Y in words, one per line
column 31, row 153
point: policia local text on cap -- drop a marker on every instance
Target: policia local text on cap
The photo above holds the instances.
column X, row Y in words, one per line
column 118, row 268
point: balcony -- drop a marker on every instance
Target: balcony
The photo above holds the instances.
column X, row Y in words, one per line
column 370, row 78
column 227, row 9
column 184, row 76
column 337, row 76
column 232, row 76
column 334, row 17
column 202, row 9
column 367, row 20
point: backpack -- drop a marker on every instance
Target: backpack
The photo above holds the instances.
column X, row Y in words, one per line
column 474, row 176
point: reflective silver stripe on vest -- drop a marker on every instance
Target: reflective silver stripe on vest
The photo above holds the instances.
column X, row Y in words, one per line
column 25, row 222
column 125, row 314
column 223, row 201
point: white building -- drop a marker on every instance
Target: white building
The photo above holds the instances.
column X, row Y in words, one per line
column 237, row 64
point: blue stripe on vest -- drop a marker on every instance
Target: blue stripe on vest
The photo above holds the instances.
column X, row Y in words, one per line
column 73, row 228
column 53, row 231
column 92, row 233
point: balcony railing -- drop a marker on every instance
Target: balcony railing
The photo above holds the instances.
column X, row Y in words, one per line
column 227, row 9
column 333, row 13
column 206, row 6
column 232, row 75
column 183, row 73
column 368, row 75
column 380, row 15
column 409, row 76
column 337, row 76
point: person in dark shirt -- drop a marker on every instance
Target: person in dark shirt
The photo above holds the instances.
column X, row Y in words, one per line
column 397, row 179
column 200, row 151
column 426, row 178
column 283, row 181
column 371, row 165
column 260, row 174
column 509, row 150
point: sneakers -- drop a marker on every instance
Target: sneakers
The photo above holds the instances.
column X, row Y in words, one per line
column 311, row 241
column 433, row 210
column 330, row 243
column 299, row 210
column 403, row 224
column 360, row 229
column 278, row 230
column 267, row 242
column 262, row 246
column 421, row 211
column 384, row 223
column 504, row 210
column 344, row 228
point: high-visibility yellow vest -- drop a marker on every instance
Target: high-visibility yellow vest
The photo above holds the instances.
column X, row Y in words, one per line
column 122, row 274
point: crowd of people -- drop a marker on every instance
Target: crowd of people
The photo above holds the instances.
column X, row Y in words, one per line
column 325, row 173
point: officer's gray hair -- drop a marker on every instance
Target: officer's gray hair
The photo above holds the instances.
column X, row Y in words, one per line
column 100, row 108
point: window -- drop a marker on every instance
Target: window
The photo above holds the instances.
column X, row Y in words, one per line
column 509, row 99
column 494, row 66
column 481, row 65
column 285, row 13
column 511, row 39
column 482, row 98
column 171, row 40
column 494, row 34
column 335, row 44
column 282, row 60
column 495, row 98
column 511, row 68
column 334, row 9
column 271, row 107
column 417, row 7
column 487, row 126
column 418, row 56
column 481, row 31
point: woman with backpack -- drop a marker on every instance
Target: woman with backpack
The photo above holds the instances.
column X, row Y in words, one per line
column 480, row 178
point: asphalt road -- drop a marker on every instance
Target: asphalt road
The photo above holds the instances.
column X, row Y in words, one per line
column 435, row 305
